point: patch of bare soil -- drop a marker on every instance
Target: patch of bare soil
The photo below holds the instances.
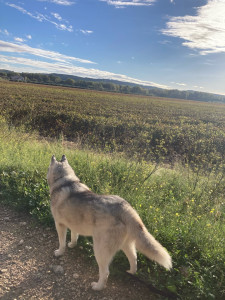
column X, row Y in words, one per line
column 29, row 270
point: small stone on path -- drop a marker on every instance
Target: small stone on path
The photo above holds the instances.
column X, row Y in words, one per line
column 75, row 275
column 57, row 269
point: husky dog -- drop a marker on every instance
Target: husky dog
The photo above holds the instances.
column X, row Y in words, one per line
column 110, row 220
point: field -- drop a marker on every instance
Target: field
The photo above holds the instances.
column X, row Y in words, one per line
column 166, row 157
column 142, row 127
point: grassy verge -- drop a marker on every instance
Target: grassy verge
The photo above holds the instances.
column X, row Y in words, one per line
column 183, row 209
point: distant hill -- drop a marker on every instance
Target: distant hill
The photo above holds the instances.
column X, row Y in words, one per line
column 65, row 76
column 110, row 86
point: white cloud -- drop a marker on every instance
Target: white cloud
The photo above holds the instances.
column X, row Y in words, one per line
column 40, row 17
column 29, row 36
column 179, row 83
column 18, row 39
column 5, row 32
column 16, row 48
column 198, row 87
column 22, row 64
column 63, row 27
column 204, row 32
column 59, row 2
column 57, row 16
column 86, row 32
column 126, row 3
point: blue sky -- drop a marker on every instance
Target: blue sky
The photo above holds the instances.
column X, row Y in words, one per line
column 166, row 43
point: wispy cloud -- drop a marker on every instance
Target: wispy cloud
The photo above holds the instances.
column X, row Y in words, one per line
column 57, row 16
column 4, row 31
column 86, row 32
column 198, row 87
column 62, row 64
column 63, row 26
column 204, row 32
column 179, row 83
column 23, row 48
column 40, row 17
column 59, row 2
column 127, row 3
column 18, row 39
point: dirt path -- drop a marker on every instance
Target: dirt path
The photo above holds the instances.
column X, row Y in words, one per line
column 29, row 270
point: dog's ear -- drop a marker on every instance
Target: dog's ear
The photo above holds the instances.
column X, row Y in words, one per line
column 53, row 160
column 63, row 158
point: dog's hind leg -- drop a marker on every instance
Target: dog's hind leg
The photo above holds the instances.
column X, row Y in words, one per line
column 130, row 251
column 104, row 253
column 74, row 237
column 61, row 230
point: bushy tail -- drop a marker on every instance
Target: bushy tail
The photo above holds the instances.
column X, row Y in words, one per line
column 147, row 244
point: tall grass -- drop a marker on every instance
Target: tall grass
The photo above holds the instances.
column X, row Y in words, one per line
column 183, row 209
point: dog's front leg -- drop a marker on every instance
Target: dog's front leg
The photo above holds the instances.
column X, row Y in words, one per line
column 61, row 230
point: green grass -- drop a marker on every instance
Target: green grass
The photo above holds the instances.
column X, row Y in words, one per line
column 182, row 208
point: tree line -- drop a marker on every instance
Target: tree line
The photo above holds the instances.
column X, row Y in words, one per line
column 103, row 85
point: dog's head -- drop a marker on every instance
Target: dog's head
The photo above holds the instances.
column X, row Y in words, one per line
column 58, row 170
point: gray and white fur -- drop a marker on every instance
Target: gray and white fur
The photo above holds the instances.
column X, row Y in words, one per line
column 110, row 220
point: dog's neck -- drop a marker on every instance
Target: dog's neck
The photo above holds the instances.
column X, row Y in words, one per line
column 59, row 182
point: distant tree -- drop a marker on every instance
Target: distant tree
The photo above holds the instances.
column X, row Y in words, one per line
column 58, row 79
column 69, row 81
column 125, row 89
column 136, row 89
column 52, row 77
column 98, row 86
column 11, row 73
column 45, row 78
column 108, row 86
column 40, row 78
column 3, row 74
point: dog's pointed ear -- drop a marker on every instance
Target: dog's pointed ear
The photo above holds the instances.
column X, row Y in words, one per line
column 63, row 158
column 53, row 160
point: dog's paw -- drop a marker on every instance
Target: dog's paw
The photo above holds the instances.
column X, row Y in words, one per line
column 59, row 252
column 131, row 272
column 71, row 245
column 96, row 286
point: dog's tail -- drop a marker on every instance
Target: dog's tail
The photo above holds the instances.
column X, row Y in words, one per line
column 146, row 243
column 150, row 247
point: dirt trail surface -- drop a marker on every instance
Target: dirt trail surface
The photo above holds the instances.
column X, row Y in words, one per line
column 29, row 270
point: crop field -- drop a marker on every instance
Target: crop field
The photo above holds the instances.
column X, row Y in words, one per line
column 142, row 127
column 164, row 156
